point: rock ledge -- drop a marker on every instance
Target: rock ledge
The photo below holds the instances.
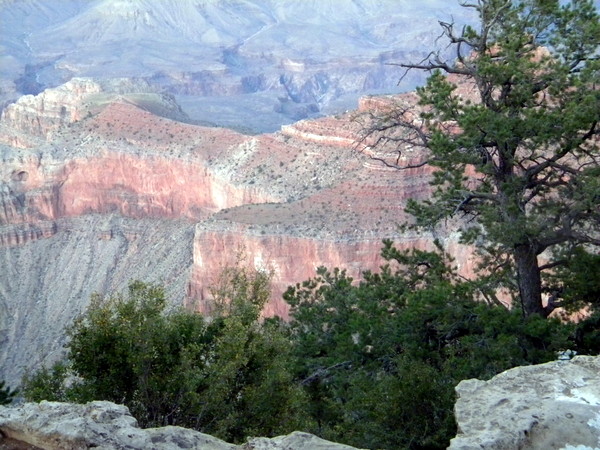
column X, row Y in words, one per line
column 548, row 406
column 107, row 426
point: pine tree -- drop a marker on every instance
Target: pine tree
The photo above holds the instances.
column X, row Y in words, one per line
column 528, row 140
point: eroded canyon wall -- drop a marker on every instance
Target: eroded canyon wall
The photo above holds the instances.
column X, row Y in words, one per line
column 98, row 188
column 293, row 259
column 47, row 282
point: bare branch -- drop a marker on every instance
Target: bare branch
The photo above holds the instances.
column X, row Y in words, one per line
column 431, row 62
column 566, row 149
column 553, row 264
column 468, row 197
column 566, row 234
column 437, row 63
column 396, row 166
column 324, row 372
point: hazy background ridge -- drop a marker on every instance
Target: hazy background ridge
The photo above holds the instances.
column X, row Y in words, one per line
column 250, row 64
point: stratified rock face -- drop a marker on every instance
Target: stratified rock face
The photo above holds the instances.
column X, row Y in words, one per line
column 107, row 426
column 114, row 190
column 123, row 159
column 548, row 406
column 291, row 259
column 38, row 115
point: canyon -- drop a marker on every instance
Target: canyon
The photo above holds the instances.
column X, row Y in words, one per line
column 242, row 63
column 99, row 187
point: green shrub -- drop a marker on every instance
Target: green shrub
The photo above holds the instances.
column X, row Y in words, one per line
column 380, row 359
column 228, row 376
column 6, row 394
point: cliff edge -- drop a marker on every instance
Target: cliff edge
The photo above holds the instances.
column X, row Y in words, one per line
column 107, row 426
column 548, row 406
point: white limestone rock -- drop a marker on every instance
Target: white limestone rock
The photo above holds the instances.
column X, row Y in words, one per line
column 106, row 426
column 102, row 425
column 38, row 115
column 293, row 441
column 548, row 406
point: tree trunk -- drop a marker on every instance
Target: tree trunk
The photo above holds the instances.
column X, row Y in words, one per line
column 529, row 280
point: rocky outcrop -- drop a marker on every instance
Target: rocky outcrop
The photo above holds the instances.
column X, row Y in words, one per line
column 547, row 406
column 43, row 114
column 107, row 426
column 38, row 115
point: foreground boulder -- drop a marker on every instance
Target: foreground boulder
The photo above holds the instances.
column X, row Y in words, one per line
column 548, row 406
column 105, row 425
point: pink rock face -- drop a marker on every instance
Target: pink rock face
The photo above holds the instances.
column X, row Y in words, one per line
column 134, row 186
column 140, row 186
column 291, row 260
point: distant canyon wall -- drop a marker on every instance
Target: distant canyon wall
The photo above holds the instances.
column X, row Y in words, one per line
column 134, row 186
column 45, row 177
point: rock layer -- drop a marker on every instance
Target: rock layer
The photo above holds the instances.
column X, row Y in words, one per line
column 547, row 406
column 113, row 190
column 291, row 259
column 38, row 115
column 107, row 426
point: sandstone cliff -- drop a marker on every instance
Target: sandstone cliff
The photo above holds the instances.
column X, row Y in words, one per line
column 99, row 186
